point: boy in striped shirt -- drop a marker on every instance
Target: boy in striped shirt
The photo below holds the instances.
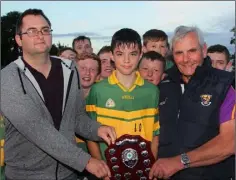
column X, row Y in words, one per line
column 125, row 100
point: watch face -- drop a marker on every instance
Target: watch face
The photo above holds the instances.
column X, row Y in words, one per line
column 185, row 158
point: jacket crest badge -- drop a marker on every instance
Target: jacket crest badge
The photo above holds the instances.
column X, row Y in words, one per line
column 206, row 99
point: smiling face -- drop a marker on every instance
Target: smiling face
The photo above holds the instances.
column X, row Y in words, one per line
column 88, row 70
column 38, row 44
column 151, row 70
column 126, row 58
column 188, row 54
column 106, row 66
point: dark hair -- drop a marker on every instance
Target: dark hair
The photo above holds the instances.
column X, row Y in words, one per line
column 126, row 36
column 65, row 49
column 154, row 35
column 93, row 56
column 219, row 49
column 35, row 12
column 80, row 38
column 153, row 56
column 104, row 49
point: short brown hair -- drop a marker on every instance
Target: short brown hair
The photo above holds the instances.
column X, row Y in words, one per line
column 153, row 56
column 126, row 36
column 104, row 49
column 35, row 12
column 154, row 35
column 218, row 48
column 81, row 38
column 93, row 56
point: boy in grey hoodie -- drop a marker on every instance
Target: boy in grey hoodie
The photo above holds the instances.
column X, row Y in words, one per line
column 43, row 107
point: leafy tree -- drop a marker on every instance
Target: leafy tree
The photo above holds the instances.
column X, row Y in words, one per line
column 9, row 48
column 61, row 46
column 233, row 40
column 54, row 50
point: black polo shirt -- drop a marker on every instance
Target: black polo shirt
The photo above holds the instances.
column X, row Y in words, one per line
column 52, row 89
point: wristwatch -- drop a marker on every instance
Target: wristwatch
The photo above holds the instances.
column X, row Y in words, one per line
column 185, row 160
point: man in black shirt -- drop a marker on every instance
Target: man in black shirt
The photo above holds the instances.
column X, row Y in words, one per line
column 197, row 115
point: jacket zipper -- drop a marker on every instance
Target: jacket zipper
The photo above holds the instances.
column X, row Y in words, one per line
column 67, row 95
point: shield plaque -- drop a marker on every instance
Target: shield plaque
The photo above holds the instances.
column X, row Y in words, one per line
column 130, row 158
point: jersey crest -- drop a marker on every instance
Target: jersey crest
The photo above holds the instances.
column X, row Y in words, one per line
column 110, row 103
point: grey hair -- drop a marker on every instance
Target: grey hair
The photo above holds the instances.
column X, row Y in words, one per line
column 181, row 31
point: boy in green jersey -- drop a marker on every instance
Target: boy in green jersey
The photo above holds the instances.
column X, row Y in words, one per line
column 125, row 100
column 89, row 67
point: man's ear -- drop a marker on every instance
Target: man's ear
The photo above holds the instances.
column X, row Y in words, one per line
column 18, row 40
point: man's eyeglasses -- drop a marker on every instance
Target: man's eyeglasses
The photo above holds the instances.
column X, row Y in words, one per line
column 35, row 32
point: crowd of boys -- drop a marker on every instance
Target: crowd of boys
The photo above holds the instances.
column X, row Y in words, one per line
column 176, row 94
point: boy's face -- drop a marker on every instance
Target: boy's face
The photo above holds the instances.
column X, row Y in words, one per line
column 83, row 46
column 68, row 54
column 106, row 66
column 151, row 70
column 218, row 60
column 126, row 58
column 88, row 70
column 158, row 46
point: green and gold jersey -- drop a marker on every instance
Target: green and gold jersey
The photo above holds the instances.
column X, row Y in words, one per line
column 130, row 111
